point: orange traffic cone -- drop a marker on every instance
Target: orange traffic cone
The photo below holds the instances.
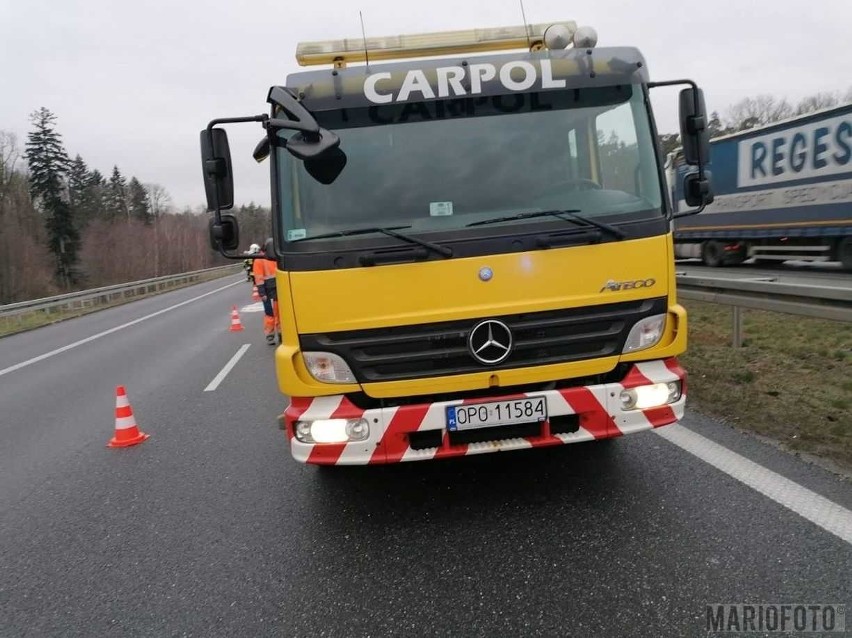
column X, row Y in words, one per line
column 236, row 326
column 255, row 295
column 126, row 431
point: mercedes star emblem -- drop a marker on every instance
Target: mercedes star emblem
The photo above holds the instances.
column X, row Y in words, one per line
column 485, row 273
column 490, row 341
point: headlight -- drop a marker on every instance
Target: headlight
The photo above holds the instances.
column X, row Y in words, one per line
column 650, row 396
column 332, row 430
column 646, row 333
column 328, row 367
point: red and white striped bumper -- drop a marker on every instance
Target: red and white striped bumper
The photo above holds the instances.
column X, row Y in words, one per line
column 598, row 408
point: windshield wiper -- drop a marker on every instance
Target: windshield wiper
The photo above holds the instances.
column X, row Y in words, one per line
column 530, row 215
column 574, row 217
column 351, row 231
column 569, row 215
column 444, row 251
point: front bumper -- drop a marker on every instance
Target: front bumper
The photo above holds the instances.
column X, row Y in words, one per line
column 397, row 433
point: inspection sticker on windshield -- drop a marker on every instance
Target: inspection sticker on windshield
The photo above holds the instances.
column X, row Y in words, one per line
column 296, row 233
column 440, row 209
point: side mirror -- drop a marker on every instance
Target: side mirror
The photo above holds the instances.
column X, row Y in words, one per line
column 326, row 167
column 697, row 191
column 216, row 164
column 224, row 233
column 261, row 151
column 693, row 127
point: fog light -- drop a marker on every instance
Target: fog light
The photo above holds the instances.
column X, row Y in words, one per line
column 358, row 430
column 332, row 430
column 650, row 396
column 303, row 431
column 674, row 391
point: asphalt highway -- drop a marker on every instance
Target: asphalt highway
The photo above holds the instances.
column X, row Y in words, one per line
column 209, row 528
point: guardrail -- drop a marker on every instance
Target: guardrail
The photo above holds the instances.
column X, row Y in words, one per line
column 84, row 299
column 820, row 302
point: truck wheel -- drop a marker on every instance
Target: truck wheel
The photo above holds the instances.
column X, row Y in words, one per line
column 713, row 254
column 844, row 253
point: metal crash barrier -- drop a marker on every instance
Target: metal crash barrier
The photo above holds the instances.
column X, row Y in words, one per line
column 819, row 302
column 85, row 300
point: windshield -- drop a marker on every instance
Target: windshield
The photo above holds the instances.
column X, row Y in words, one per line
column 444, row 165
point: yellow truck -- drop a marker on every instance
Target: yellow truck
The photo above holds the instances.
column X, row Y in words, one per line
column 473, row 243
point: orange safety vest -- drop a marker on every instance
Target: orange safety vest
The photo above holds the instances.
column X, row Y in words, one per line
column 262, row 269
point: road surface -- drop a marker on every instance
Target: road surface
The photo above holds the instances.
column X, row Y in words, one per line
column 210, row 529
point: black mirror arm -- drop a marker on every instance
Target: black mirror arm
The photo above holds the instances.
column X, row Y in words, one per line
column 293, row 125
column 301, row 118
column 689, row 213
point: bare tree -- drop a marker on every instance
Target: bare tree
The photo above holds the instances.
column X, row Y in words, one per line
column 817, row 102
column 159, row 201
column 757, row 111
column 9, row 155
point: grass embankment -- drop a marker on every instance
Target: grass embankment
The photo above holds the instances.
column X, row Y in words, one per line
column 791, row 382
column 38, row 318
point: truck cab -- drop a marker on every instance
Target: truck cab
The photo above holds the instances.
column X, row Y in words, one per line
column 481, row 260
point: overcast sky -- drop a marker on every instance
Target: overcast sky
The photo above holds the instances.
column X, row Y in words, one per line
column 132, row 83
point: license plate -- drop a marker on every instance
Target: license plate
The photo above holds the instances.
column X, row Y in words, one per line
column 483, row 415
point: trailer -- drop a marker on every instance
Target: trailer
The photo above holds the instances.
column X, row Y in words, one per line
column 782, row 192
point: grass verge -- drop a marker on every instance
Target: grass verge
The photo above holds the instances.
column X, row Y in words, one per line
column 791, row 381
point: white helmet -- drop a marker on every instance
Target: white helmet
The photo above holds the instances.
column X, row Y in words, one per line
column 254, row 248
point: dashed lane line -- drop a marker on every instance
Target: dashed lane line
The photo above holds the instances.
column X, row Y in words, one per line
column 228, row 367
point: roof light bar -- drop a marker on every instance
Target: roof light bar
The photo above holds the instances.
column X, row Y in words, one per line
column 341, row 52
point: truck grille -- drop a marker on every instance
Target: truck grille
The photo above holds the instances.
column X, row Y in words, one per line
column 440, row 349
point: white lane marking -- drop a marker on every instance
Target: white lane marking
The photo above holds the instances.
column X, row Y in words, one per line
column 810, row 505
column 255, row 307
column 228, row 367
column 70, row 346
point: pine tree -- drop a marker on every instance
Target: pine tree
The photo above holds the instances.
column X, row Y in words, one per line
column 79, row 192
column 85, row 192
column 137, row 201
column 78, row 173
column 96, row 190
column 48, row 165
column 115, row 197
column 715, row 127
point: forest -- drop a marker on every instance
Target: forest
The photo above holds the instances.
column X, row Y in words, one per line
column 66, row 226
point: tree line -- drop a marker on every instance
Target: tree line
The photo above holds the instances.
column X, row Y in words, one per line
column 752, row 112
column 65, row 226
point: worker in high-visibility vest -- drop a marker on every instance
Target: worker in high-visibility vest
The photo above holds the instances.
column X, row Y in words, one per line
column 263, row 271
column 253, row 250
